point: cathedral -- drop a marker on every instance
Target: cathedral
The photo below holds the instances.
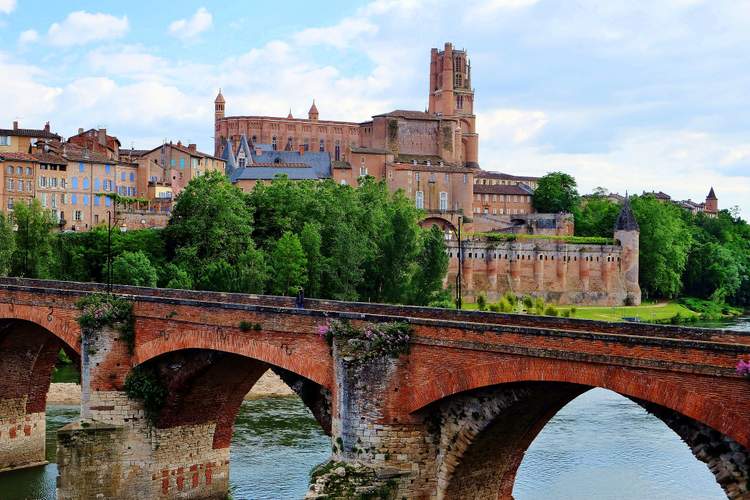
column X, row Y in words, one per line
column 432, row 155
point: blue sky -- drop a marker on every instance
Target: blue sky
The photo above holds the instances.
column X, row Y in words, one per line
column 629, row 95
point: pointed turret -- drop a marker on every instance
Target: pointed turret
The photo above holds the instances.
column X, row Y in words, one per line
column 289, row 116
column 228, row 156
column 626, row 220
column 627, row 233
column 712, row 203
column 313, row 113
column 219, row 104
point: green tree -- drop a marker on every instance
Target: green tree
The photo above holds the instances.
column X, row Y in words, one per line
column 289, row 265
column 311, row 243
column 713, row 272
column 556, row 192
column 431, row 266
column 212, row 216
column 7, row 245
column 664, row 244
column 596, row 217
column 133, row 268
column 33, row 253
column 173, row 276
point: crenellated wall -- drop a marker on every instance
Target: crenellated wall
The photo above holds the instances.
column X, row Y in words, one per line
column 561, row 273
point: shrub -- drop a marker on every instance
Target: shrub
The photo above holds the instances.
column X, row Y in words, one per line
column 505, row 305
column 495, row 308
column 511, row 298
column 376, row 340
column 443, row 304
column 566, row 313
column 539, row 306
column 528, row 302
column 550, row 311
column 482, row 302
column 144, row 385
column 573, row 311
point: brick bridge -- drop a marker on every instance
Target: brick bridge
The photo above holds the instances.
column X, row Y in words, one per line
column 451, row 419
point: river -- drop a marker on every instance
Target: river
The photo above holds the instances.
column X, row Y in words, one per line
column 600, row 446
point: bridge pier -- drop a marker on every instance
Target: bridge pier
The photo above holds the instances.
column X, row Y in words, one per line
column 27, row 357
column 115, row 452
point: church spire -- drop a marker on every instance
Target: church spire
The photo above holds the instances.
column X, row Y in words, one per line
column 313, row 113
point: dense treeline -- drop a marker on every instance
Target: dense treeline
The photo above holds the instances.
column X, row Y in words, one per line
column 682, row 253
column 334, row 241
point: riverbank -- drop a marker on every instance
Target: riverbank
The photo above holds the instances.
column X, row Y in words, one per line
column 269, row 385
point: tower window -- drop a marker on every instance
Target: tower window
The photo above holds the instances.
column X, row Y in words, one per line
column 459, row 102
column 337, row 151
column 273, row 143
column 458, row 80
column 322, row 145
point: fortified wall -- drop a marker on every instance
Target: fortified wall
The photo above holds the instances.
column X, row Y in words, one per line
column 551, row 268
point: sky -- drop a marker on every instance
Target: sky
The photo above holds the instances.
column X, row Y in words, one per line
column 629, row 95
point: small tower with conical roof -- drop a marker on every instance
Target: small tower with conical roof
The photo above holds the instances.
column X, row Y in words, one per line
column 219, row 106
column 712, row 203
column 627, row 233
column 313, row 113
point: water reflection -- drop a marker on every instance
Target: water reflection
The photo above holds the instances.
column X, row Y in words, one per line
column 603, row 446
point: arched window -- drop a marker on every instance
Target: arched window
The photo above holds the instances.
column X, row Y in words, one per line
column 443, row 201
column 362, row 167
column 420, row 199
column 273, row 143
column 459, row 102
column 254, row 140
column 337, row 151
column 288, row 143
column 322, row 145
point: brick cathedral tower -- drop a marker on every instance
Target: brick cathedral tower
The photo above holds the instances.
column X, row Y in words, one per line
column 451, row 96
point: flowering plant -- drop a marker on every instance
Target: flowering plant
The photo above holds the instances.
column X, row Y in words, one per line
column 374, row 340
column 743, row 367
column 100, row 310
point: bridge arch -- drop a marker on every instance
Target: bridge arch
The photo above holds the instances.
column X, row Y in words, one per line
column 693, row 395
column 59, row 322
column 207, row 385
column 491, row 414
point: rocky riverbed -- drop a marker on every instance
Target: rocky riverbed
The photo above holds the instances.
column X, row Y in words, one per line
column 268, row 385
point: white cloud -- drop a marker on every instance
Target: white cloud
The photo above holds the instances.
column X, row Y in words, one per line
column 513, row 125
column 7, row 6
column 340, row 35
column 27, row 37
column 82, row 27
column 189, row 29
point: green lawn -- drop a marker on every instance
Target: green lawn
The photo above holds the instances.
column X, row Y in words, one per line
column 646, row 312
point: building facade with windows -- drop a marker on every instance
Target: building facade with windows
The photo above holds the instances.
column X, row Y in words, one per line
column 432, row 155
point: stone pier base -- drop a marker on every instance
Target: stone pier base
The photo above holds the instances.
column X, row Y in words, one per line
column 118, row 455
column 22, row 441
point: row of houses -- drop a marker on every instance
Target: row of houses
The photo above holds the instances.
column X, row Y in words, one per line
column 84, row 180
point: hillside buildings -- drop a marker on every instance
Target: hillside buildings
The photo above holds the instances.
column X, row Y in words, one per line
column 89, row 178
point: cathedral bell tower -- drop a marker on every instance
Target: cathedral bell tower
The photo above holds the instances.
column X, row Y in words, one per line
column 452, row 97
column 219, row 107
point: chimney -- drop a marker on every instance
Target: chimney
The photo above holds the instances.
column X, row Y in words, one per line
column 46, row 127
column 15, row 125
column 192, row 147
column 80, row 130
column 103, row 136
column 301, row 149
column 179, row 143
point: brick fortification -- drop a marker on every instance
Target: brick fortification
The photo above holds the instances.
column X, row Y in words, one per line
column 558, row 272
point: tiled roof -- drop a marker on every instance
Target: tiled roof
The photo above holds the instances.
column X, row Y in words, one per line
column 268, row 173
column 50, row 158
column 410, row 115
column 486, row 174
column 77, row 153
column 17, row 157
column 277, row 165
column 406, row 158
column 319, row 162
column 447, row 169
column 500, row 189
column 133, row 152
column 626, row 220
column 341, row 164
column 29, row 132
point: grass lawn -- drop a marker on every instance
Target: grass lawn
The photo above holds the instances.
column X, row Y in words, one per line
column 646, row 312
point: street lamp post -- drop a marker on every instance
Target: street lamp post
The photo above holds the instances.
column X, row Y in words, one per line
column 109, row 251
column 459, row 279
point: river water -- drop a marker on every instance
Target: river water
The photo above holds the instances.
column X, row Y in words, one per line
column 600, row 446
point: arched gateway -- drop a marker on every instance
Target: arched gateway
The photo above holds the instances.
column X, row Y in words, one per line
column 450, row 419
